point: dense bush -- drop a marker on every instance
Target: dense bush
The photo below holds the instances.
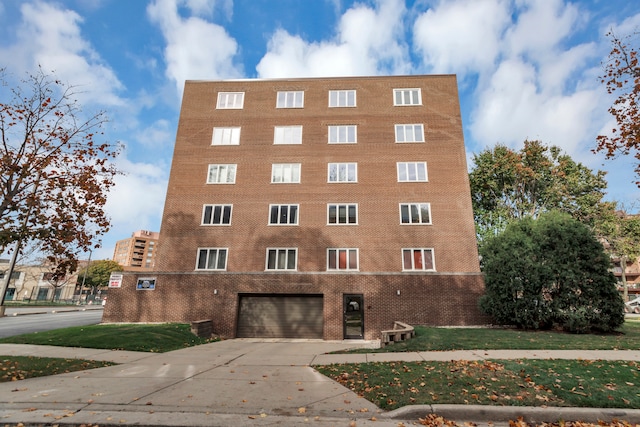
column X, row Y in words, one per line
column 550, row 272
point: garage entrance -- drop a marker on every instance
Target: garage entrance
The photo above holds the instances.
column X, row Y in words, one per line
column 280, row 316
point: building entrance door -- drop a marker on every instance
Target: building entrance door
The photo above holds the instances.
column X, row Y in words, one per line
column 353, row 317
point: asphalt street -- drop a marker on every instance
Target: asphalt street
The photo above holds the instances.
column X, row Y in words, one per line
column 40, row 319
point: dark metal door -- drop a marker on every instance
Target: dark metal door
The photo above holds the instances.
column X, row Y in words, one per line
column 353, row 317
column 280, row 316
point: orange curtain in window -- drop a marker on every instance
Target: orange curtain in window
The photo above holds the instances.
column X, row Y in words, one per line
column 342, row 260
column 417, row 259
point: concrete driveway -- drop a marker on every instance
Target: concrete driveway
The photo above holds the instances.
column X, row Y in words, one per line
column 251, row 379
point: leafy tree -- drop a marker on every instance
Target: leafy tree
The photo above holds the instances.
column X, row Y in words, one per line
column 622, row 78
column 550, row 271
column 98, row 273
column 508, row 185
column 55, row 175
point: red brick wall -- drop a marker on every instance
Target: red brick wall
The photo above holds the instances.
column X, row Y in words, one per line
column 434, row 299
column 379, row 236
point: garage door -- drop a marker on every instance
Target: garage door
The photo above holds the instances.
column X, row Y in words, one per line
column 278, row 316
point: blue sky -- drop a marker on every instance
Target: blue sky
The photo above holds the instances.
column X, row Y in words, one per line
column 526, row 68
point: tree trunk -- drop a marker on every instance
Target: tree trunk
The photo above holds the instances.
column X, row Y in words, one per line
column 623, row 266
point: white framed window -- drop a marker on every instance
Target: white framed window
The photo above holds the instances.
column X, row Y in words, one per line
column 290, row 99
column 221, row 174
column 282, row 259
column 342, row 98
column 283, row 214
column 287, row 135
column 342, row 259
column 407, row 97
column 412, row 171
column 230, row 100
column 343, row 134
column 285, row 173
column 418, row 259
column 342, row 172
column 342, row 214
column 216, row 214
column 212, row 259
column 410, row 133
column 415, row 213
column 226, row 136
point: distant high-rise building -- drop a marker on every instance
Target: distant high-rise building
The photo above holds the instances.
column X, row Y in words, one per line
column 137, row 253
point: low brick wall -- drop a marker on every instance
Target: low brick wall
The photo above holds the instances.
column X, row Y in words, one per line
column 202, row 328
column 415, row 299
column 400, row 332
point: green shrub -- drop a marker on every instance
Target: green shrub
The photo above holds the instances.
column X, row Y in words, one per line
column 548, row 272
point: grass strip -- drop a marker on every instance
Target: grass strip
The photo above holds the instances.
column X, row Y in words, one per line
column 577, row 383
column 14, row 368
column 441, row 339
column 133, row 337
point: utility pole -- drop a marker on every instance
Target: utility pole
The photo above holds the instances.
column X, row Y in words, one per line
column 7, row 280
column 84, row 276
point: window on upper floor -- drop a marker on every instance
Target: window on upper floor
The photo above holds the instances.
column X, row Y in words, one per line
column 410, row 133
column 290, row 99
column 283, row 214
column 342, row 259
column 343, row 172
column 407, row 97
column 14, row 276
column 216, row 214
column 342, row 98
column 343, row 134
column 342, row 214
column 412, row 171
column 285, row 173
column 212, row 259
column 221, row 174
column 282, row 259
column 287, row 135
column 418, row 259
column 226, row 136
column 415, row 213
column 230, row 100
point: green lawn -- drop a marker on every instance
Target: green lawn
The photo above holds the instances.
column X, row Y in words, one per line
column 151, row 338
column 577, row 382
column 438, row 339
column 14, row 368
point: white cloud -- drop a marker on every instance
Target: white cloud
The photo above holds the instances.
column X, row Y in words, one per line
column 530, row 81
column 368, row 42
column 159, row 133
column 540, row 27
column 50, row 36
column 136, row 200
column 196, row 49
column 512, row 109
column 461, row 36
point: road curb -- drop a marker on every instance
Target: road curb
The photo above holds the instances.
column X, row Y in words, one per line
column 529, row 414
column 47, row 312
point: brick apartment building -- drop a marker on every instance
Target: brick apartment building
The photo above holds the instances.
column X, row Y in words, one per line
column 138, row 252
column 316, row 208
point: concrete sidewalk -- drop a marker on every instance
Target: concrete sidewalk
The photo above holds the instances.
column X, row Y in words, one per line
column 247, row 382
